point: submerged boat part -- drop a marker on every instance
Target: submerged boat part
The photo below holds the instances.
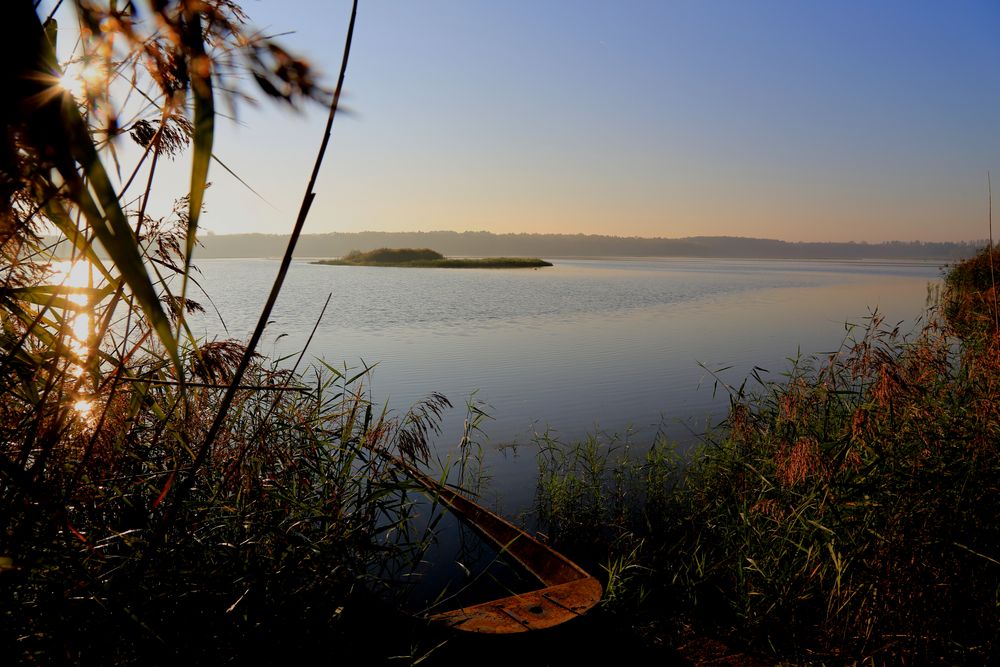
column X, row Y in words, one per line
column 568, row 590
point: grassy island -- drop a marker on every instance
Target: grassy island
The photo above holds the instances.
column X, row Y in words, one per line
column 427, row 258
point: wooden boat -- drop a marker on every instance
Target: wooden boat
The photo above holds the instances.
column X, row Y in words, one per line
column 567, row 590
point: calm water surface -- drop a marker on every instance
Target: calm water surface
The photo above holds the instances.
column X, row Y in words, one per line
column 588, row 345
column 584, row 346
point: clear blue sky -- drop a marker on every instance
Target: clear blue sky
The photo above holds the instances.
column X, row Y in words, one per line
column 844, row 120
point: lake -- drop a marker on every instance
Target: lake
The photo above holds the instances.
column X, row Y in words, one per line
column 609, row 346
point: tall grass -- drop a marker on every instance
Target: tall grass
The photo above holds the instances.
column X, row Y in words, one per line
column 164, row 497
column 847, row 512
column 265, row 553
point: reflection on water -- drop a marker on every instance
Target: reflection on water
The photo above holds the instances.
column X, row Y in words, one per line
column 78, row 323
column 76, row 274
column 623, row 347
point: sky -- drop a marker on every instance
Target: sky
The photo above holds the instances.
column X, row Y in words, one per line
column 802, row 121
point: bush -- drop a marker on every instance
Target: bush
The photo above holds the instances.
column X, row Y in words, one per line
column 394, row 255
column 971, row 299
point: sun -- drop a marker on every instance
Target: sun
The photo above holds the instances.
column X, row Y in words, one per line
column 83, row 407
column 80, row 78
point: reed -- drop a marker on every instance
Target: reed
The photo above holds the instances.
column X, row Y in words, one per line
column 970, row 308
column 846, row 512
column 162, row 497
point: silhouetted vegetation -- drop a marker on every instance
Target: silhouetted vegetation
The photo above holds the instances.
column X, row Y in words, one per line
column 848, row 512
column 162, row 498
column 167, row 499
column 430, row 259
column 393, row 255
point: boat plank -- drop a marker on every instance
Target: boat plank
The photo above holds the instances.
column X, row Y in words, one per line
column 568, row 590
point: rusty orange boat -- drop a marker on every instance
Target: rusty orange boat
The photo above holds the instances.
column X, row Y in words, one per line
column 567, row 591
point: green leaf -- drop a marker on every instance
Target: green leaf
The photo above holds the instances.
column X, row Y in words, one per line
column 104, row 214
column 204, row 132
column 115, row 234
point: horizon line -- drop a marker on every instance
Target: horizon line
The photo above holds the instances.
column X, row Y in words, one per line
column 985, row 240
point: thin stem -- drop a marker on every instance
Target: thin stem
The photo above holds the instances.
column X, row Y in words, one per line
column 234, row 468
column 993, row 282
column 209, row 385
column 185, row 486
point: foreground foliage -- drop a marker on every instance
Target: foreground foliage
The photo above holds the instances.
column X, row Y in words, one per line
column 267, row 555
column 849, row 511
column 163, row 498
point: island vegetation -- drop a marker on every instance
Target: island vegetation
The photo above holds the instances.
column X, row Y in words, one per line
column 425, row 258
column 165, row 499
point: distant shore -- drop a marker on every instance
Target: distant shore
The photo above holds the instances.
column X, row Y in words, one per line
column 563, row 246
column 572, row 246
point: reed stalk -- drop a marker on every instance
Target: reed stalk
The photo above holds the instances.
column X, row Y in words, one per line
column 286, row 261
column 162, row 497
column 846, row 512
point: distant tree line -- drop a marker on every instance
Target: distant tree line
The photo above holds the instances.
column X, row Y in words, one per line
column 488, row 244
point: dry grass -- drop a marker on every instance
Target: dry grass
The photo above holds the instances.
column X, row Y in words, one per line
column 164, row 498
column 848, row 512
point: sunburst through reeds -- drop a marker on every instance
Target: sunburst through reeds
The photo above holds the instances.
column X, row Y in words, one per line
column 78, row 326
column 83, row 77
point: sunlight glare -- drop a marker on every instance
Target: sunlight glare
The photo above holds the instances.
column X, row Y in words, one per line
column 81, row 327
column 72, row 274
column 76, row 274
column 79, row 78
